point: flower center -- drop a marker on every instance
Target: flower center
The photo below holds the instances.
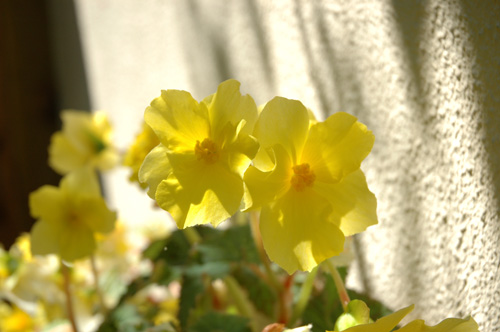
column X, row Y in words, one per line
column 303, row 177
column 206, row 150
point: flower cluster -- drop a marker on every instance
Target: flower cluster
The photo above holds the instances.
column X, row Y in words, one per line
column 303, row 175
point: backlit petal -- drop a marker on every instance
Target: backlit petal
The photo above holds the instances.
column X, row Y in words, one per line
column 228, row 106
column 155, row 169
column 282, row 121
column 296, row 232
column 48, row 203
column 354, row 206
column 178, row 120
column 264, row 187
column 199, row 193
column 337, row 146
column 44, row 238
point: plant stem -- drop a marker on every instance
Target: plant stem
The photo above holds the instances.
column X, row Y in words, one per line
column 304, row 295
column 339, row 284
column 192, row 235
column 69, row 299
column 93, row 264
column 241, row 301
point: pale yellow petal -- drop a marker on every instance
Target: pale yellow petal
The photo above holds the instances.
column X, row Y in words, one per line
column 44, row 238
column 76, row 241
column 239, row 150
column 155, row 169
column 48, row 203
column 228, row 106
column 95, row 214
column 384, row 324
column 283, row 121
column 447, row 325
column 337, row 146
column 178, row 120
column 64, row 157
column 199, row 193
column 354, row 206
column 82, row 181
column 296, row 232
column 264, row 187
column 77, row 125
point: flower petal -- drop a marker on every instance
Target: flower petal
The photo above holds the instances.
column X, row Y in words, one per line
column 48, row 203
column 82, row 181
column 264, row 187
column 354, row 206
column 44, row 238
column 199, row 193
column 155, row 169
column 178, row 120
column 447, row 325
column 296, row 232
column 96, row 215
column 228, row 106
column 63, row 156
column 282, row 121
column 337, row 146
column 384, row 324
column 76, row 241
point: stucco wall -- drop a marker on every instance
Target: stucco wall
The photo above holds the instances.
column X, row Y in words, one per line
column 423, row 75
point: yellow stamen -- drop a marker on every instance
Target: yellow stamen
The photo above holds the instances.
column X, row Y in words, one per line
column 206, row 150
column 303, row 177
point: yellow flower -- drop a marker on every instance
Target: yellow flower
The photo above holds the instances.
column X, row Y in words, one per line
column 13, row 319
column 85, row 140
column 195, row 173
column 69, row 215
column 143, row 144
column 306, row 179
column 388, row 323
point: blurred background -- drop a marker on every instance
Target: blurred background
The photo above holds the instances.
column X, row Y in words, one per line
column 424, row 76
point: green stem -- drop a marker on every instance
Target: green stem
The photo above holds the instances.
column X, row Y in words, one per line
column 192, row 235
column 69, row 299
column 339, row 284
column 304, row 295
column 240, row 300
column 95, row 273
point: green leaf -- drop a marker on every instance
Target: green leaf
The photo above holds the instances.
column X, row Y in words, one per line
column 231, row 245
column 259, row 292
column 192, row 287
column 218, row 322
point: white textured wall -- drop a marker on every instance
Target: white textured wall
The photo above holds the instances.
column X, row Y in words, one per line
column 423, row 75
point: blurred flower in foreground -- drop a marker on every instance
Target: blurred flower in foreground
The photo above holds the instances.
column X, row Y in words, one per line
column 307, row 180
column 143, row 144
column 85, row 140
column 196, row 172
column 69, row 215
column 358, row 317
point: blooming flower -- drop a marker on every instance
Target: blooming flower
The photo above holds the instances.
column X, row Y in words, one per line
column 143, row 144
column 195, row 173
column 306, row 179
column 85, row 140
column 69, row 215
